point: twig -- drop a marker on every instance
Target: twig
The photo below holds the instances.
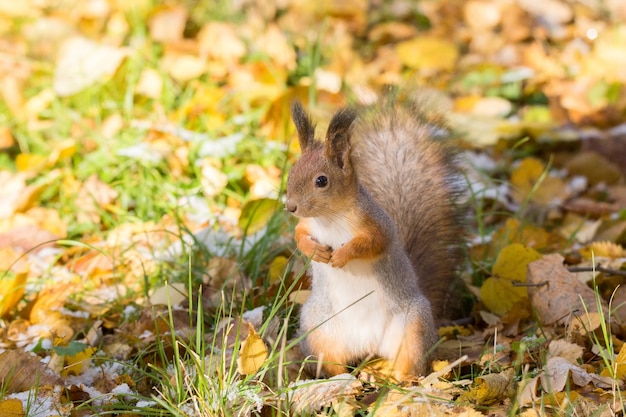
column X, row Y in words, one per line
column 598, row 268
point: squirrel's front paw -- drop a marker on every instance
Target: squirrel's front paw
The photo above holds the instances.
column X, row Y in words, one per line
column 322, row 253
column 339, row 258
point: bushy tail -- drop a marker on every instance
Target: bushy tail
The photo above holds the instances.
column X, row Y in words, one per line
column 412, row 172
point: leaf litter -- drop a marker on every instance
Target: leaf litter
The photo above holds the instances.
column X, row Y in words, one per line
column 143, row 148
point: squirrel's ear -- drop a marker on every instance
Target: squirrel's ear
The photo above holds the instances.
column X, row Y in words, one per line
column 338, row 136
column 304, row 126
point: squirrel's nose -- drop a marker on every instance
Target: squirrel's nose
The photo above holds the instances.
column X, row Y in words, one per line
column 291, row 206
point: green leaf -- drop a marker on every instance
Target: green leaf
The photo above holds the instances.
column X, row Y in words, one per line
column 257, row 213
column 73, row 348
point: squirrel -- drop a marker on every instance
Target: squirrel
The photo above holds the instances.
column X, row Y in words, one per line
column 376, row 216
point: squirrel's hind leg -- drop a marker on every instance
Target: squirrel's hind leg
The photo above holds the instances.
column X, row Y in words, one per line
column 411, row 357
column 322, row 346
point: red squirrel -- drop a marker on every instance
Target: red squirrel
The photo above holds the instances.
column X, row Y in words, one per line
column 375, row 203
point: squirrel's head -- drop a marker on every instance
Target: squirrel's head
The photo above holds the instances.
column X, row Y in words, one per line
column 322, row 180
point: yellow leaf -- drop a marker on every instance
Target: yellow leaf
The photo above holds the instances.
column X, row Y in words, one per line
column 498, row 292
column 619, row 366
column 428, row 53
column 499, row 295
column 76, row 364
column 453, row 331
column 11, row 407
column 30, row 162
column 528, row 181
column 11, row 290
column 490, row 389
column 277, row 267
column 256, row 214
column 62, row 150
column 253, row 353
column 605, row 249
column 512, row 262
column 527, row 234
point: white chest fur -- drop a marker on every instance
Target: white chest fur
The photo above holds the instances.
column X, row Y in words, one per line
column 355, row 302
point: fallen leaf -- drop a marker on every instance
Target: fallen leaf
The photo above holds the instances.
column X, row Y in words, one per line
column 428, row 53
column 169, row 294
column 256, row 214
column 602, row 249
column 11, row 407
column 78, row 363
column 564, row 349
column 309, row 396
column 530, row 180
column 557, row 372
column 20, row 371
column 167, row 23
column 150, row 84
column 490, row 389
column 253, row 353
column 555, row 293
column 594, row 167
column 83, row 62
column 499, row 292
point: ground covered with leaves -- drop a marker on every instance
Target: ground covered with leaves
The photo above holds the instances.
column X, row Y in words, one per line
column 147, row 266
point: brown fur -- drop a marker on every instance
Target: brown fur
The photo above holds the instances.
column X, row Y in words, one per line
column 414, row 178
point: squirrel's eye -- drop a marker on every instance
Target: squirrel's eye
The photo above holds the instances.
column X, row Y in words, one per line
column 321, row 181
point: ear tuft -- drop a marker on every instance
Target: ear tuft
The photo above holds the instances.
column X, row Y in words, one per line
column 304, row 126
column 338, row 136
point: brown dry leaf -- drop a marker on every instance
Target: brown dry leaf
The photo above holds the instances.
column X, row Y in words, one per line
column 167, row 23
column 49, row 302
column 579, row 228
column 6, row 138
column 169, row 294
column 27, row 238
column 15, row 195
column 93, row 197
column 481, row 15
column 530, row 180
column 499, row 292
column 527, row 391
column 274, row 43
column 557, row 371
column 264, row 183
column 220, row 42
column 586, row 323
column 590, row 208
column 20, row 371
column 150, row 84
column 183, row 67
column 556, row 294
column 83, row 62
column 562, row 348
column 309, row 396
column 253, row 353
column 594, row 167
column 490, row 389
